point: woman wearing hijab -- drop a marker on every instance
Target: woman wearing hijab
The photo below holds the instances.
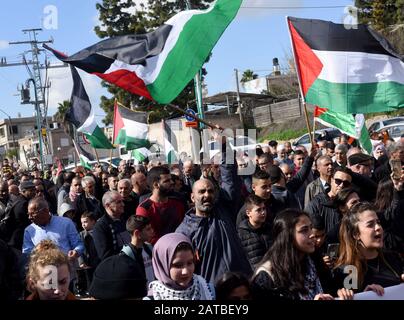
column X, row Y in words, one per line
column 174, row 264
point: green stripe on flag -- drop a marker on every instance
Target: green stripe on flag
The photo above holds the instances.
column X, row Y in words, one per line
column 194, row 44
column 131, row 143
column 98, row 139
column 356, row 98
column 84, row 161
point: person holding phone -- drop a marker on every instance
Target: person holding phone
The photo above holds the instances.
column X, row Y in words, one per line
column 361, row 246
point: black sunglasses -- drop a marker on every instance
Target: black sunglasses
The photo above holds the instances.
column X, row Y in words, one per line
column 345, row 183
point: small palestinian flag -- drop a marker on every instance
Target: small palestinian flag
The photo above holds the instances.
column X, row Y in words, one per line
column 170, row 143
column 141, row 154
column 159, row 64
column 130, row 128
column 353, row 126
column 346, row 70
column 84, row 161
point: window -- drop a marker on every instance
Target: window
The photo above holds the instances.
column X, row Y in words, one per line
column 2, row 132
column 64, row 142
column 13, row 129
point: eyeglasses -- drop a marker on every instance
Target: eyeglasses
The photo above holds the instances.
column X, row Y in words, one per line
column 345, row 183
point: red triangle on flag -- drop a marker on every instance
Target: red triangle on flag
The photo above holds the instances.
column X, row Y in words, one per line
column 308, row 64
column 319, row 111
column 118, row 121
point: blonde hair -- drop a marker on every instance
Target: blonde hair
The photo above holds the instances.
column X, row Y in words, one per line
column 44, row 254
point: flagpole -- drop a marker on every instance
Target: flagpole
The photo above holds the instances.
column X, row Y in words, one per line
column 75, row 148
column 96, row 155
column 198, row 84
column 301, row 98
column 113, row 133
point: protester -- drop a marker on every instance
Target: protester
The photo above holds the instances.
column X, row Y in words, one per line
column 48, row 275
column 287, row 272
column 174, row 266
column 361, row 246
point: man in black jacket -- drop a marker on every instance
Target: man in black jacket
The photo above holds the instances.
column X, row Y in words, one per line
column 110, row 233
column 17, row 220
column 321, row 207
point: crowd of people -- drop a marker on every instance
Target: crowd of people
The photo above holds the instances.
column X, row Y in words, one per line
column 187, row 231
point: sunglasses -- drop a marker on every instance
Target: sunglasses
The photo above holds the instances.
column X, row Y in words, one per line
column 345, row 183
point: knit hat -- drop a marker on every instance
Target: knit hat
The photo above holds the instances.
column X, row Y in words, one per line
column 118, row 277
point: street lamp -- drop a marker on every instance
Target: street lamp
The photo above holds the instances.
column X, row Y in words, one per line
column 12, row 131
column 38, row 121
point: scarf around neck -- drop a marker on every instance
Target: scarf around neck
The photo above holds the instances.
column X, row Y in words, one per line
column 198, row 290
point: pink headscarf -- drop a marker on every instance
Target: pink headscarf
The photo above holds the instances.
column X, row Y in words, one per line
column 163, row 255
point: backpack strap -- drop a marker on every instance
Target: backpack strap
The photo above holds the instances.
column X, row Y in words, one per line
column 128, row 251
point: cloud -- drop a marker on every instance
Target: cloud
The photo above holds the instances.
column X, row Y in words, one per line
column 4, row 44
column 254, row 8
column 62, row 85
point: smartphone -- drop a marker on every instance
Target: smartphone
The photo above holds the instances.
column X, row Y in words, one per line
column 396, row 169
column 332, row 250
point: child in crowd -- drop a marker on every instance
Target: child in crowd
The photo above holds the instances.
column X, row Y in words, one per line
column 174, row 265
column 233, row 286
column 141, row 233
column 48, row 274
column 254, row 232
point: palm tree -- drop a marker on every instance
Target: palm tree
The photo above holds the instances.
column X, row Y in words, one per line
column 61, row 114
column 62, row 109
column 248, row 75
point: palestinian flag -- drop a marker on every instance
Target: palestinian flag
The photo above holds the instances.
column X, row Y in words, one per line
column 84, row 162
column 81, row 115
column 140, row 154
column 130, row 128
column 170, row 143
column 346, row 70
column 353, row 126
column 159, row 64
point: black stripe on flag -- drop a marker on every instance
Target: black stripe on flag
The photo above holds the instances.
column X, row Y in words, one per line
column 328, row 36
column 170, row 135
column 80, row 108
column 130, row 49
column 125, row 113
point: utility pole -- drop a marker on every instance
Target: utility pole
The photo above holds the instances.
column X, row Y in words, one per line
column 239, row 100
column 41, row 106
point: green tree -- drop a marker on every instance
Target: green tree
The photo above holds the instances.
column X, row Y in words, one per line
column 115, row 20
column 248, row 75
column 62, row 109
column 386, row 17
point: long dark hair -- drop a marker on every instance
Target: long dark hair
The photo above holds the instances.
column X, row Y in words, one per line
column 287, row 269
column 384, row 195
column 341, row 198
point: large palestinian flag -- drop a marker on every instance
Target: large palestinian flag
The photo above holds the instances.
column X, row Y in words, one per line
column 346, row 70
column 130, row 128
column 349, row 124
column 158, row 65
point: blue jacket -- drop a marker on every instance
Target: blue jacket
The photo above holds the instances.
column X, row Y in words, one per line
column 215, row 237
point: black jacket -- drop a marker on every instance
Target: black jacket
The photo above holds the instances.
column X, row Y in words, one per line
column 10, row 281
column 255, row 242
column 321, row 208
column 108, row 243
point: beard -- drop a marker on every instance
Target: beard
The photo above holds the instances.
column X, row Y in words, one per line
column 164, row 191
